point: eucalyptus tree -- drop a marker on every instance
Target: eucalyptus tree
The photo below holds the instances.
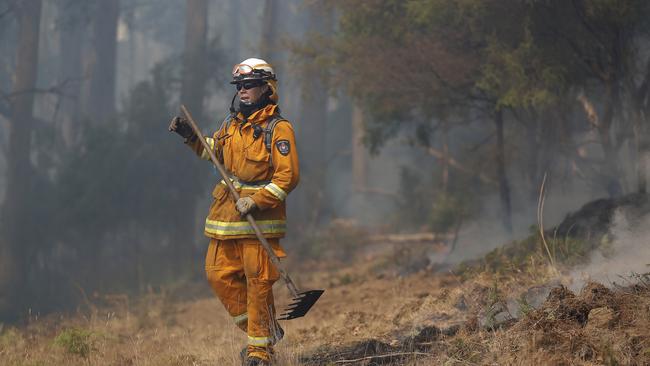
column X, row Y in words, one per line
column 16, row 219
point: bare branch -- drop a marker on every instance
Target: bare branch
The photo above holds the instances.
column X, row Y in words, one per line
column 400, row 354
column 57, row 89
column 454, row 163
column 590, row 110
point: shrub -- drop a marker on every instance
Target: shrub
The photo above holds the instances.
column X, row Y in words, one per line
column 75, row 341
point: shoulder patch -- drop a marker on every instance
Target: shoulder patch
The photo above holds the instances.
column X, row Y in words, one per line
column 283, row 147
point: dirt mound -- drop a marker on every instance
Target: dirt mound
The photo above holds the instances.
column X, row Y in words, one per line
column 594, row 218
column 562, row 305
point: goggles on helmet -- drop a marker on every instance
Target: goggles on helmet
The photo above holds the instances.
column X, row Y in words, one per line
column 248, row 84
column 246, row 72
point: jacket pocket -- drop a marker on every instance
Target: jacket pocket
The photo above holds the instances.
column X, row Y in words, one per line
column 219, row 191
column 257, row 162
column 257, row 153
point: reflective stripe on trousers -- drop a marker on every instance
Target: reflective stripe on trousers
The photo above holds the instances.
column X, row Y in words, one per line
column 259, row 341
column 243, row 227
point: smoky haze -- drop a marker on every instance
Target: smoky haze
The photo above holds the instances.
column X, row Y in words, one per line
column 399, row 130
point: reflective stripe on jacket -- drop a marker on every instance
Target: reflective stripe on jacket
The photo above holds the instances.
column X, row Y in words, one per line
column 249, row 163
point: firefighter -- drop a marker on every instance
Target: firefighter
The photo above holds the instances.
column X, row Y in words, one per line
column 257, row 147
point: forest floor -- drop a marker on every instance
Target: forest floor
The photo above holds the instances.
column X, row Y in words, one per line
column 372, row 313
column 364, row 318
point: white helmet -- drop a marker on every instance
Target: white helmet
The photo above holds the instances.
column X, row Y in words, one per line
column 252, row 69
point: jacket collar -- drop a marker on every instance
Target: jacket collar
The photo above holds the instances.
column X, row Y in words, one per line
column 260, row 115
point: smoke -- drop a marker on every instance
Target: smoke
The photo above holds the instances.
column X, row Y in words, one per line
column 624, row 251
column 486, row 232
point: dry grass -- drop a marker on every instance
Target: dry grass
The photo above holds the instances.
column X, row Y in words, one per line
column 365, row 317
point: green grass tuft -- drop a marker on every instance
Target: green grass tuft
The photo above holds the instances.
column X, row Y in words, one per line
column 75, row 341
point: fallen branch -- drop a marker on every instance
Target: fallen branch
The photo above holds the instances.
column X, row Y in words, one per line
column 408, row 238
column 384, row 356
column 378, row 191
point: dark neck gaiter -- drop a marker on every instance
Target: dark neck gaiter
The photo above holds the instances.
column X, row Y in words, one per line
column 248, row 109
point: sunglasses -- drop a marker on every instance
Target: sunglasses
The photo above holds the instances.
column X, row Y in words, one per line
column 248, row 84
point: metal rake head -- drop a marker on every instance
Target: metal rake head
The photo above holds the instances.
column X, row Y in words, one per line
column 301, row 304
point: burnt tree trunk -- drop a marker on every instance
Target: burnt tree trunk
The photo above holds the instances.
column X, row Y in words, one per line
column 99, row 66
column 15, row 215
column 504, row 187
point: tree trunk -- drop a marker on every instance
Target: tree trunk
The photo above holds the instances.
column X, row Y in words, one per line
column 194, row 57
column 14, row 239
column 269, row 47
column 641, row 150
column 235, row 39
column 99, row 67
column 192, row 95
column 611, row 171
column 313, row 122
column 445, row 156
column 71, row 39
column 532, row 157
column 640, row 129
column 504, row 188
column 359, row 154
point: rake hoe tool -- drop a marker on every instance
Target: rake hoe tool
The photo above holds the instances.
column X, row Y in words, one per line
column 302, row 301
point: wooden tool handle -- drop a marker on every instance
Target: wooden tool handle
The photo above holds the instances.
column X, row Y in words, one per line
column 226, row 178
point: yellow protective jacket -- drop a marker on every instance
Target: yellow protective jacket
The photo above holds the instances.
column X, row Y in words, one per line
column 267, row 177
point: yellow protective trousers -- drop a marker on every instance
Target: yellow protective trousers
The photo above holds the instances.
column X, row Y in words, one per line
column 242, row 276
